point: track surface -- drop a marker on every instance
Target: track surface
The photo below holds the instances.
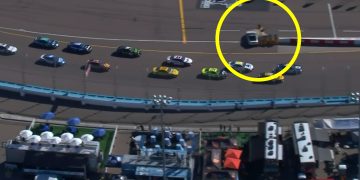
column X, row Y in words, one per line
column 154, row 25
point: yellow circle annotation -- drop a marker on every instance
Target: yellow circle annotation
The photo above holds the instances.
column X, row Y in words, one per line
column 257, row 79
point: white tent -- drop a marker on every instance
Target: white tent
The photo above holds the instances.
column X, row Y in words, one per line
column 76, row 142
column 46, row 135
column 34, row 139
column 55, row 140
column 66, row 137
column 87, row 137
column 25, row 133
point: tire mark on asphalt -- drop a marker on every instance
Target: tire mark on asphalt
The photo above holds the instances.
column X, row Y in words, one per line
column 200, row 52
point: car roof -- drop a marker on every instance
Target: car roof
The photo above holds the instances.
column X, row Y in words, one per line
column 94, row 61
column 43, row 38
column 238, row 63
column 163, row 68
column 76, row 43
column 3, row 44
column 124, row 47
column 213, row 69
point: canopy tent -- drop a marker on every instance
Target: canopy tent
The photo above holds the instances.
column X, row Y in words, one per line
column 34, row 139
column 76, row 142
column 55, row 140
column 87, row 137
column 44, row 127
column 66, row 137
column 99, row 132
column 74, row 121
column 232, row 163
column 47, row 115
column 233, row 153
column 46, row 135
column 25, row 133
column 72, row 129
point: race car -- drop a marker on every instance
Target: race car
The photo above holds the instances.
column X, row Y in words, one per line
column 164, row 72
column 7, row 49
column 241, row 67
column 52, row 60
column 294, row 69
column 78, row 47
column 252, row 38
column 177, row 60
column 213, row 73
column 277, row 80
column 126, row 51
column 44, row 42
column 97, row 66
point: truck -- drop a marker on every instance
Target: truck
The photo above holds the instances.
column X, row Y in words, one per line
column 258, row 37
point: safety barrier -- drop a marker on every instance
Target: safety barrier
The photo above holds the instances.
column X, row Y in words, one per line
column 174, row 105
column 319, row 41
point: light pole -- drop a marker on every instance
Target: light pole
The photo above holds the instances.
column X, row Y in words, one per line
column 162, row 101
column 355, row 97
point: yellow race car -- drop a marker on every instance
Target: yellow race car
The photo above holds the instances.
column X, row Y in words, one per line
column 164, row 72
column 277, row 80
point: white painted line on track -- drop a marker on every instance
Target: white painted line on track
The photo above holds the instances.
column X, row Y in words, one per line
column 332, row 20
column 351, row 31
column 112, row 39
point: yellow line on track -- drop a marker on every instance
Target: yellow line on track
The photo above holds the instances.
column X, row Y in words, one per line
column 182, row 21
column 198, row 52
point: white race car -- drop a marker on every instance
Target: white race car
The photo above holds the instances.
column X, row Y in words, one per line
column 7, row 49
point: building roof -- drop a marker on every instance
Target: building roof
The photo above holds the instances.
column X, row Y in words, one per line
column 154, row 160
column 272, row 131
column 325, row 154
column 338, row 123
column 158, row 172
column 54, row 161
column 90, row 148
column 320, row 135
column 303, row 142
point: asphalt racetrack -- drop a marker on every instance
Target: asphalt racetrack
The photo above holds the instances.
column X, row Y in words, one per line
column 155, row 27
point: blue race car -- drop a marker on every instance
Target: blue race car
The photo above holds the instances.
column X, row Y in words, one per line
column 294, row 69
column 44, row 42
column 52, row 60
column 78, row 47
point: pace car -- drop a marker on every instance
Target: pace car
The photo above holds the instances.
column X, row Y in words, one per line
column 241, row 67
column 213, row 73
column 7, row 49
column 277, row 80
column 127, row 51
column 177, row 60
column 45, row 42
column 78, row 47
column 96, row 66
column 294, row 69
column 52, row 60
column 164, row 72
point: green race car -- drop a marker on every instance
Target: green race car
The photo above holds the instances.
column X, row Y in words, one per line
column 213, row 73
column 126, row 51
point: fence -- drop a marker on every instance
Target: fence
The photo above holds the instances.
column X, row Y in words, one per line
column 174, row 105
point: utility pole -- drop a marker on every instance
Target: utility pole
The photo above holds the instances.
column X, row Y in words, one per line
column 355, row 97
column 161, row 101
